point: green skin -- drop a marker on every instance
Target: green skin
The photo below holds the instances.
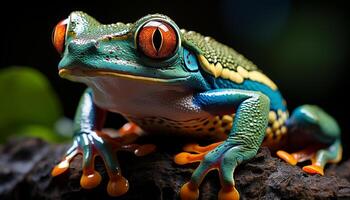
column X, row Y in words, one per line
column 122, row 79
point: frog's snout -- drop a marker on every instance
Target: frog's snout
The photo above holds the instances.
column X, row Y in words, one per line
column 78, row 53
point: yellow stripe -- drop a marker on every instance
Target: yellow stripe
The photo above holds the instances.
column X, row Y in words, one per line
column 67, row 73
column 235, row 76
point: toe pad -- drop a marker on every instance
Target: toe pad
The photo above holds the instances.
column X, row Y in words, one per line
column 189, row 192
column 89, row 181
column 60, row 168
column 313, row 169
column 287, row 157
column 228, row 193
column 117, row 186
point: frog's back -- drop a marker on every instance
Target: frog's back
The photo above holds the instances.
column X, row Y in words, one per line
column 226, row 68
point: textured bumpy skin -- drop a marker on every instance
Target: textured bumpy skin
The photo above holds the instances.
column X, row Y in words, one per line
column 223, row 61
column 170, row 81
column 216, row 52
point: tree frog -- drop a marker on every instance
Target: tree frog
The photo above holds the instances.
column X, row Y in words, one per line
column 167, row 80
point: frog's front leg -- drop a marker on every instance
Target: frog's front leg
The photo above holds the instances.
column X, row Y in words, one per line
column 243, row 142
column 91, row 141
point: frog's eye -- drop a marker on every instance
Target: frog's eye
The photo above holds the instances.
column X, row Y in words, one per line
column 157, row 39
column 59, row 35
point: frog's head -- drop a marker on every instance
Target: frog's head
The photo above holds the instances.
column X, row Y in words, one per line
column 149, row 50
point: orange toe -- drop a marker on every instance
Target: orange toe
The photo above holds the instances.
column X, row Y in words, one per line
column 189, row 192
column 117, row 186
column 313, row 169
column 191, row 148
column 287, row 157
column 181, row 158
column 200, row 149
column 185, row 158
column 228, row 193
column 60, row 168
column 89, row 181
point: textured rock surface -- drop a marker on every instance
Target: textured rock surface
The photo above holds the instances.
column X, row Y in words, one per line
column 25, row 166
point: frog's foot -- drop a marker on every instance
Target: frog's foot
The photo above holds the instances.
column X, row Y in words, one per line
column 319, row 157
column 92, row 145
column 197, row 153
column 101, row 144
column 324, row 130
column 224, row 158
column 300, row 156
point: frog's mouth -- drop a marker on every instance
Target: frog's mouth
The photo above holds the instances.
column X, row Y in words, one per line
column 77, row 74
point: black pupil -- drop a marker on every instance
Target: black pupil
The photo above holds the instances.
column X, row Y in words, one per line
column 157, row 39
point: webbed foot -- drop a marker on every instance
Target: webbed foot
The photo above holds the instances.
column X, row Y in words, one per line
column 221, row 156
column 318, row 125
column 318, row 157
column 97, row 143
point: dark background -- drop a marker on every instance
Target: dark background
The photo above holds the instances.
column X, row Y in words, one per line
column 302, row 45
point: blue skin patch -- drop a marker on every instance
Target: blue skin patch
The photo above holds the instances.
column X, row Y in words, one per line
column 275, row 96
column 276, row 99
column 190, row 61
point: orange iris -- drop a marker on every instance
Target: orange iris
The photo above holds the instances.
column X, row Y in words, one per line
column 59, row 36
column 157, row 39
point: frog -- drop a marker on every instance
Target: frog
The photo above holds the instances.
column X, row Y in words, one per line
column 171, row 81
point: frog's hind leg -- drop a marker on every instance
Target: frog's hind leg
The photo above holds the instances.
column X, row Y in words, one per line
column 318, row 156
column 312, row 122
column 299, row 156
column 332, row 154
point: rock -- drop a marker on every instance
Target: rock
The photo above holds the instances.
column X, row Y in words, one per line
column 25, row 166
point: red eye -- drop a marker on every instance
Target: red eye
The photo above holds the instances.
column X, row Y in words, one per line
column 59, row 36
column 157, row 39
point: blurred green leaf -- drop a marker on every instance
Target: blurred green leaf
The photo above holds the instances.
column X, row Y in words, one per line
column 26, row 99
column 42, row 132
